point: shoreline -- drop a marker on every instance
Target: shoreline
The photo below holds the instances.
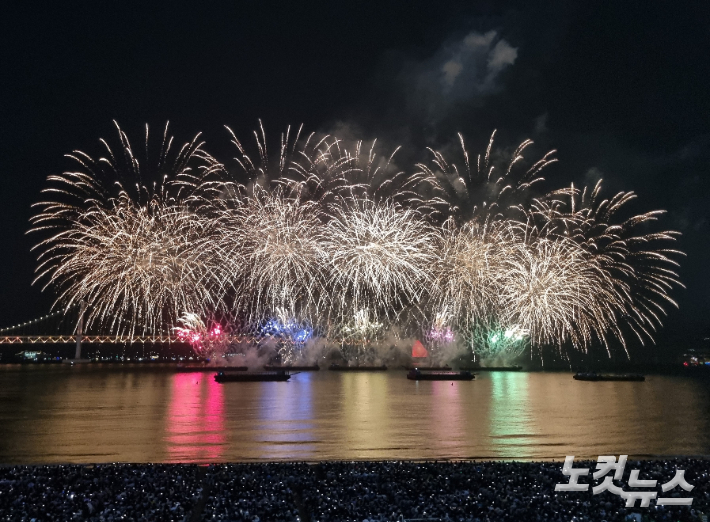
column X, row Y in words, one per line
column 674, row 370
column 286, row 462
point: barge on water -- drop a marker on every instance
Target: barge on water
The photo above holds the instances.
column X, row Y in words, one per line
column 609, row 377
column 341, row 368
column 223, row 377
column 418, row 375
column 292, row 368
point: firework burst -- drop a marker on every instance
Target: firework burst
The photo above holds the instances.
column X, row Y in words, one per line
column 484, row 189
column 635, row 260
column 556, row 293
column 136, row 268
column 138, row 252
column 331, row 237
column 380, row 257
column 469, row 270
column 492, row 341
column 209, row 339
column 278, row 257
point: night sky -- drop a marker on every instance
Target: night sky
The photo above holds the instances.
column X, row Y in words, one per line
column 621, row 91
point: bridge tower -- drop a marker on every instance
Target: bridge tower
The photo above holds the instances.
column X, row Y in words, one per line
column 79, row 331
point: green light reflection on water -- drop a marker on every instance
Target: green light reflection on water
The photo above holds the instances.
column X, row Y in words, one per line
column 511, row 423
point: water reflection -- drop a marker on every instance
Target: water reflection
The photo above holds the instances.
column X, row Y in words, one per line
column 107, row 414
column 447, row 416
column 286, row 416
column 511, row 420
column 195, row 421
column 364, row 398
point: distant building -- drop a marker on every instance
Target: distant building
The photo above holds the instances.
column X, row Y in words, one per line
column 34, row 356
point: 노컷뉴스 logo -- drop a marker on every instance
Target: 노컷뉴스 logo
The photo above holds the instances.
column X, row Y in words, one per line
column 606, row 464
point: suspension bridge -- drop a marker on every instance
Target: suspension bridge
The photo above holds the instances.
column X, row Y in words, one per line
column 66, row 327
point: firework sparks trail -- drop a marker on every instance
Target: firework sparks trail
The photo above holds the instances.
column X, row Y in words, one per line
column 439, row 334
column 440, row 331
column 492, row 341
column 334, row 238
column 469, row 270
column 281, row 259
column 326, row 170
column 484, row 190
column 136, row 268
column 380, row 257
column 207, row 339
column 361, row 328
column 137, row 253
column 357, row 333
column 554, row 292
column 307, row 167
column 140, row 175
column 289, row 333
column 641, row 270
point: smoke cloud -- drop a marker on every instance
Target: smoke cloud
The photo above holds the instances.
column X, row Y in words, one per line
column 459, row 72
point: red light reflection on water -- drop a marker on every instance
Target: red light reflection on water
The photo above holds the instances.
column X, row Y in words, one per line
column 195, row 423
column 447, row 413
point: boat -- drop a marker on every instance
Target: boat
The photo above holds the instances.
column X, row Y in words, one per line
column 186, row 369
column 491, row 368
column 609, row 377
column 292, row 368
column 430, row 368
column 341, row 368
column 222, row 377
column 417, row 375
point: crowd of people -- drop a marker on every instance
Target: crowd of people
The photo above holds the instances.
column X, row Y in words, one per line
column 339, row 491
column 256, row 492
column 99, row 493
column 489, row 491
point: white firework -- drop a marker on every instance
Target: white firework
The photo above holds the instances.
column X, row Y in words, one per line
column 380, row 257
column 278, row 258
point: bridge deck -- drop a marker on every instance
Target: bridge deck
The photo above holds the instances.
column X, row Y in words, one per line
column 89, row 339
